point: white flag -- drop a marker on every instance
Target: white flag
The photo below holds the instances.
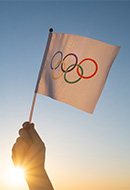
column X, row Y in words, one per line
column 74, row 70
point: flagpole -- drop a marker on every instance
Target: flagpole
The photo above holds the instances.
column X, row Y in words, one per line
column 32, row 108
column 35, row 93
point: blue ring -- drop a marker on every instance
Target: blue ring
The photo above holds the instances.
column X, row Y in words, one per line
column 53, row 58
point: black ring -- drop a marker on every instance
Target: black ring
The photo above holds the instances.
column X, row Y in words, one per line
column 74, row 64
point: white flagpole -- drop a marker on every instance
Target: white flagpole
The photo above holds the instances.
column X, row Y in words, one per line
column 44, row 58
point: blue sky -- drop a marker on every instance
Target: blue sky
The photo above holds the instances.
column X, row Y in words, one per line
column 83, row 151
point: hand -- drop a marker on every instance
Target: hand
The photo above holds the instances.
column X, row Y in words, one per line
column 29, row 152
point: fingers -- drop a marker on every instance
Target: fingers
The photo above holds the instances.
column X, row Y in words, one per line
column 26, row 125
column 31, row 132
column 29, row 150
column 29, row 143
column 25, row 136
column 19, row 151
column 34, row 135
column 24, row 132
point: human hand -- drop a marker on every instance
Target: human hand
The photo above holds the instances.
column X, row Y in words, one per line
column 29, row 150
column 29, row 153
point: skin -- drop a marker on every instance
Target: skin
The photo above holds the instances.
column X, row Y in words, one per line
column 28, row 152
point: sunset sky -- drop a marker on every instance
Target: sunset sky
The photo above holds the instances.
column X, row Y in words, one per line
column 84, row 151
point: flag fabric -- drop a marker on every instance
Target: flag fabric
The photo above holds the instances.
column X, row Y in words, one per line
column 74, row 69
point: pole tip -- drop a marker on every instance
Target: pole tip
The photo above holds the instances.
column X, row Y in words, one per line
column 51, row 30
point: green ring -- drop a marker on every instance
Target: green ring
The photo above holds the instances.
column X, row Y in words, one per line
column 72, row 82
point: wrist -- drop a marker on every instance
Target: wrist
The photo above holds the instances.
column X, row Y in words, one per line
column 38, row 180
column 34, row 174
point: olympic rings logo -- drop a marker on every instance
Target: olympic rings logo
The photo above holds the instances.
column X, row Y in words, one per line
column 71, row 67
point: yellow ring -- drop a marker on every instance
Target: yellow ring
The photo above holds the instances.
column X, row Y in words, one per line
column 54, row 69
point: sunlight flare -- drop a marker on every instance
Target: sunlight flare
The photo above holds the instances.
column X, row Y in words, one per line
column 16, row 176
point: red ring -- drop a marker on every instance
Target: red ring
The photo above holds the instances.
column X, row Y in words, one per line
column 96, row 68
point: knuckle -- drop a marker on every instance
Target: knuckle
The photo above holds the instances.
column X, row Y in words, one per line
column 13, row 147
column 25, row 124
column 18, row 140
column 32, row 125
column 20, row 131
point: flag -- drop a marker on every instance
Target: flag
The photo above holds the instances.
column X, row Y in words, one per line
column 74, row 69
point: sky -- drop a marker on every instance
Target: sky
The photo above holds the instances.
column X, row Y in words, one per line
column 84, row 151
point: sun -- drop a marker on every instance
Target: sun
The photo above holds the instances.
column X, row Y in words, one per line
column 16, row 176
